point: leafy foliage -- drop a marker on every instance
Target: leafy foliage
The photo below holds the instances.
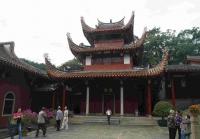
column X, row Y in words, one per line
column 186, row 42
column 73, row 64
column 35, row 64
column 162, row 108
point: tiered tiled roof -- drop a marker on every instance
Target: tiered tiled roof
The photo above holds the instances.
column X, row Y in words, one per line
column 102, row 25
column 183, row 68
column 80, row 49
column 193, row 58
column 116, row 27
column 8, row 58
column 148, row 72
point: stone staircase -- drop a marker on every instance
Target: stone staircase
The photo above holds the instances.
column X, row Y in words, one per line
column 103, row 120
column 117, row 120
column 4, row 133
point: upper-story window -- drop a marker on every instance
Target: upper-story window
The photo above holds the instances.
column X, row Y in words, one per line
column 9, row 102
column 127, row 59
column 88, row 60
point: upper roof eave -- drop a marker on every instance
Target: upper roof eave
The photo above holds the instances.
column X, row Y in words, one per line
column 77, row 49
column 155, row 71
column 87, row 29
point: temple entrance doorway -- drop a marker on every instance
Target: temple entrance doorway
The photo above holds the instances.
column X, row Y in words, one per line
column 109, row 102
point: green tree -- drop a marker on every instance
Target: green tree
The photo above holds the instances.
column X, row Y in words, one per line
column 41, row 66
column 186, row 42
column 73, row 64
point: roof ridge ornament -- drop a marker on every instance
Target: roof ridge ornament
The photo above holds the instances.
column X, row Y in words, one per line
column 68, row 35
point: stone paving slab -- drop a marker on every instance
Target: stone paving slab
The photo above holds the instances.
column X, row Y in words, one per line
column 91, row 131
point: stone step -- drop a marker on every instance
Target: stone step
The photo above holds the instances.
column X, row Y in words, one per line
column 115, row 120
column 103, row 120
column 4, row 133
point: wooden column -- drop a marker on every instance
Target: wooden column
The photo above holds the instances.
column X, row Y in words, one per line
column 87, row 99
column 103, row 104
column 63, row 98
column 121, row 99
column 149, row 98
column 173, row 93
column 53, row 100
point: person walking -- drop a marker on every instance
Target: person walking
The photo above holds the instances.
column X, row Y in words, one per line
column 41, row 122
column 171, row 124
column 108, row 113
column 186, row 128
column 59, row 117
column 18, row 116
column 65, row 119
column 178, row 121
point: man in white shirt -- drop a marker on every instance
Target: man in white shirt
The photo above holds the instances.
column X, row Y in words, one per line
column 108, row 113
column 59, row 117
column 41, row 122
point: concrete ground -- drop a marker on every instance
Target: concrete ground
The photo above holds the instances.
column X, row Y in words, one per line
column 103, row 131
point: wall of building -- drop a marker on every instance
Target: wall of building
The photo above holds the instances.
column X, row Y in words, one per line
column 110, row 43
column 186, row 90
column 19, row 88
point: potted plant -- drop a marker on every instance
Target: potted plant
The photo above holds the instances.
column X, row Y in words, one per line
column 162, row 109
column 194, row 110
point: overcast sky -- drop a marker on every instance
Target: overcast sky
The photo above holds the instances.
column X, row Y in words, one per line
column 40, row 26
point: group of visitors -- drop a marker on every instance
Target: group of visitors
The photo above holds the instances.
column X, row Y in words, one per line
column 176, row 122
column 61, row 120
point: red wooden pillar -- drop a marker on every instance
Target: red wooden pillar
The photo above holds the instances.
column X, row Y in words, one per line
column 63, row 99
column 53, row 100
column 173, row 93
column 149, row 98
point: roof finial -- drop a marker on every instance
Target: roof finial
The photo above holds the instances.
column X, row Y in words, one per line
column 68, row 35
column 110, row 20
column 46, row 55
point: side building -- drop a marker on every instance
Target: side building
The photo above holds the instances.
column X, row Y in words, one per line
column 21, row 85
column 181, row 83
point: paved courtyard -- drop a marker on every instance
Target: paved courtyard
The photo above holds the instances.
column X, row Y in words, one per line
column 93, row 131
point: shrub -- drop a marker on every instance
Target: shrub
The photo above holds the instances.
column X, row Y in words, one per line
column 29, row 117
column 50, row 113
column 162, row 109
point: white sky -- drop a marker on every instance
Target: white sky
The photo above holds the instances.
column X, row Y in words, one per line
column 40, row 26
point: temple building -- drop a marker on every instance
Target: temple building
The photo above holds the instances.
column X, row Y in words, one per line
column 113, row 75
